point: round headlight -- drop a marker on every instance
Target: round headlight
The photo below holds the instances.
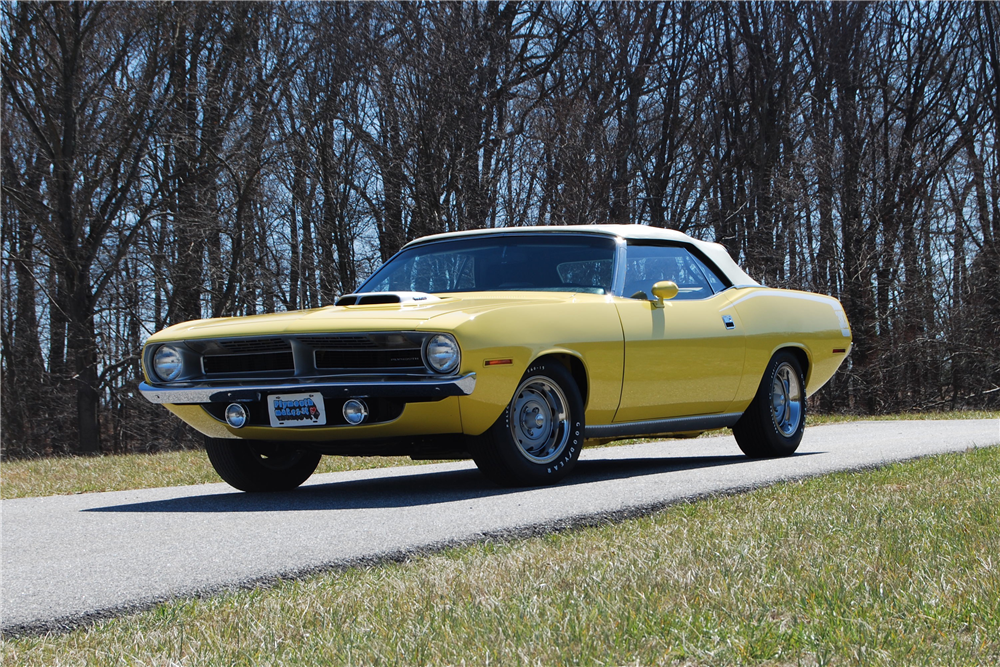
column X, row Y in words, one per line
column 442, row 354
column 168, row 363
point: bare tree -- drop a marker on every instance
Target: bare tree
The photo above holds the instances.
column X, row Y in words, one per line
column 88, row 85
column 168, row 161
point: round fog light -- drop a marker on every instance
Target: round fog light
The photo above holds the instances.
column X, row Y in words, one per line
column 236, row 415
column 355, row 411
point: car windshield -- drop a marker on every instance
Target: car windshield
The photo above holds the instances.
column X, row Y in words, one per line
column 557, row 262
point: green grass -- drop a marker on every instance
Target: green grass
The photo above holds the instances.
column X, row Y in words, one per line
column 75, row 474
column 898, row 566
column 814, row 420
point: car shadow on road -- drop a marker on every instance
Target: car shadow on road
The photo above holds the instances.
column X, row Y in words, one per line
column 416, row 488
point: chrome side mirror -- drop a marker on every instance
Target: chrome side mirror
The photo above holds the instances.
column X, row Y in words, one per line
column 664, row 291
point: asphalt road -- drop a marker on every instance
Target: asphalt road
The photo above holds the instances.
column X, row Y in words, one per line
column 70, row 559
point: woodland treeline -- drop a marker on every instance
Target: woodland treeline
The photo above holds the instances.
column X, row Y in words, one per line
column 163, row 162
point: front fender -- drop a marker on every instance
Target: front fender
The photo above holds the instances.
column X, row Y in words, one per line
column 512, row 337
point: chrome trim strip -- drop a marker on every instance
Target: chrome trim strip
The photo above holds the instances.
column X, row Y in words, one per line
column 411, row 387
column 618, row 272
column 660, row 426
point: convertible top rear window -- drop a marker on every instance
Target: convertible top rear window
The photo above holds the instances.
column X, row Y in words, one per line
column 563, row 262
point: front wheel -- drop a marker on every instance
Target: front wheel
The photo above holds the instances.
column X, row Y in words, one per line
column 260, row 465
column 773, row 424
column 537, row 439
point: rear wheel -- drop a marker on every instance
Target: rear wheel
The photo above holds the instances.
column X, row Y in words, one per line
column 773, row 424
column 260, row 465
column 537, row 439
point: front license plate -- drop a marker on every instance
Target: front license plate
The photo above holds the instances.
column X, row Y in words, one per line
column 296, row 410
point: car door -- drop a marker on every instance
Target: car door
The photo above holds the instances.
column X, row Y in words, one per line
column 685, row 356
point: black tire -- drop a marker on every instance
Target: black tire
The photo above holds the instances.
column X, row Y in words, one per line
column 773, row 424
column 260, row 465
column 516, row 452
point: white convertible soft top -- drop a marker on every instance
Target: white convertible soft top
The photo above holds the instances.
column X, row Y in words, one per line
column 713, row 251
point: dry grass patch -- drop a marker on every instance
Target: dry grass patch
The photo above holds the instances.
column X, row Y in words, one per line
column 86, row 474
column 895, row 566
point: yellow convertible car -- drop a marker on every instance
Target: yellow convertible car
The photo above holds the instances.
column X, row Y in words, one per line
column 515, row 347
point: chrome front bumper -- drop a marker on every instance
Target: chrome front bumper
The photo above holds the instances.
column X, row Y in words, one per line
column 429, row 388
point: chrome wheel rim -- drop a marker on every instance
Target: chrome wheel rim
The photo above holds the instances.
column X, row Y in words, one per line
column 786, row 400
column 539, row 420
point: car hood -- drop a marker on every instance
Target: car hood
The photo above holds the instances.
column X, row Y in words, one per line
column 374, row 317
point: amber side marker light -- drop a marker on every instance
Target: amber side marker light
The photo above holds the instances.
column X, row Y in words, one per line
column 499, row 362
column 840, row 350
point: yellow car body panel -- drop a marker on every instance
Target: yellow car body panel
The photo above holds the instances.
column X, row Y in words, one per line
column 634, row 360
column 583, row 326
column 439, row 417
column 680, row 359
column 812, row 323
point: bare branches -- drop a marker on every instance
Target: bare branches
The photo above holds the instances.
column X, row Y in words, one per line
column 169, row 161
